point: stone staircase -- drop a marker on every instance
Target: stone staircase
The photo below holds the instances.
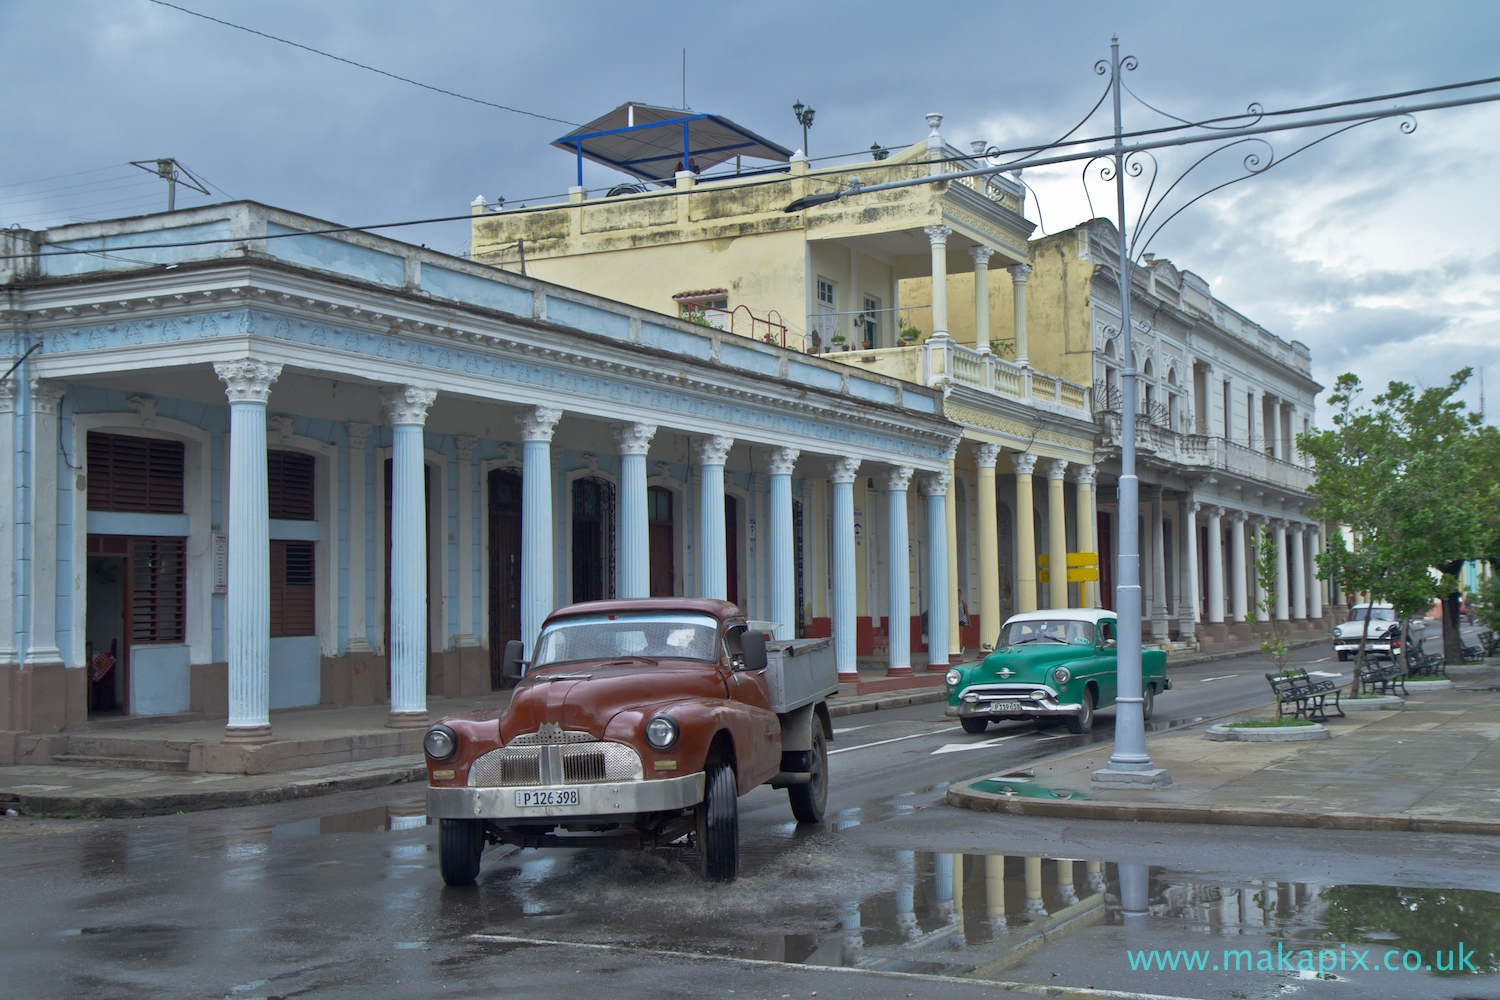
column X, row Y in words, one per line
column 95, row 750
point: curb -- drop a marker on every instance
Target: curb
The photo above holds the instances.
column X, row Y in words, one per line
column 65, row 806
column 1284, row 734
column 1372, row 704
column 900, row 699
column 1163, row 812
column 1438, row 685
column 1196, row 658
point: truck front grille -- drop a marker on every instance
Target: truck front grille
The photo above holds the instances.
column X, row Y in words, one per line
column 556, row 764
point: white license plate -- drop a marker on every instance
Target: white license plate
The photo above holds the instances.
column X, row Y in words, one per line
column 546, row 797
column 1005, row 706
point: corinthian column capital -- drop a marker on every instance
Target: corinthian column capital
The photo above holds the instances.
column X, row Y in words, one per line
column 937, row 235
column 781, row 461
column 407, row 404
column 247, row 380
column 1025, row 464
column 935, row 484
column 634, row 438
column 898, row 478
column 844, row 470
column 1019, row 272
column 986, row 454
column 713, row 449
column 538, row 422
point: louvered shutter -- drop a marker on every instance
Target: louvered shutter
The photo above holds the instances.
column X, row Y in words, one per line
column 293, row 591
column 289, row 483
column 158, row 586
column 134, row 475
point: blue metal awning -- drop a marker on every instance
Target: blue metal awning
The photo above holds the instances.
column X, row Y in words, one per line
column 654, row 143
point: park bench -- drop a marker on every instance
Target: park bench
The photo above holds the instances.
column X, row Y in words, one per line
column 1306, row 696
column 1428, row 663
column 1386, row 677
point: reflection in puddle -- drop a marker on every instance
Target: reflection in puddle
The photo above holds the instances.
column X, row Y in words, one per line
column 1065, row 922
column 407, row 814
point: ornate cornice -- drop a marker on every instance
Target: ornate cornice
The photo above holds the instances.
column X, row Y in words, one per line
column 407, row 404
column 712, row 449
column 844, row 469
column 634, row 438
column 248, row 380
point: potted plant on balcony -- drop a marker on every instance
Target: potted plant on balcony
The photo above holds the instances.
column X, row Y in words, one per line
column 839, row 341
column 910, row 335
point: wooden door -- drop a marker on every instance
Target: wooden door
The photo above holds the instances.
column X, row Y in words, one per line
column 663, row 541
column 593, row 539
column 505, row 567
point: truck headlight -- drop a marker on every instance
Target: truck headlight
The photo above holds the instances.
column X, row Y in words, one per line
column 953, row 678
column 440, row 743
column 661, row 732
column 1062, row 675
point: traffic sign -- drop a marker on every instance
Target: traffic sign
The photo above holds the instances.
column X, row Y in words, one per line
column 1083, row 574
column 1075, row 559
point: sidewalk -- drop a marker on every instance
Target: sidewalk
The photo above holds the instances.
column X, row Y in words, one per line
column 1432, row 766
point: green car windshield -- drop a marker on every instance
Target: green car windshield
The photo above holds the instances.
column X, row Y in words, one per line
column 1069, row 631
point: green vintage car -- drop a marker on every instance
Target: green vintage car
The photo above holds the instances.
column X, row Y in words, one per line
column 1050, row 666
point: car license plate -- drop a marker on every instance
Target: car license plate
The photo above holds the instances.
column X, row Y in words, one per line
column 546, row 797
column 1005, row 706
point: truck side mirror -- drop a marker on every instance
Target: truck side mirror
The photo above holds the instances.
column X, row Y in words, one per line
column 754, row 646
column 512, row 667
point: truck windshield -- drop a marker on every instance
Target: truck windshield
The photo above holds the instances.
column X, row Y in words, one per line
column 1060, row 630
column 639, row 636
column 1377, row 614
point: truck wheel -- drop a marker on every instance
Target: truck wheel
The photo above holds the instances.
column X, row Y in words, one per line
column 809, row 800
column 973, row 725
column 460, row 843
column 1148, row 702
column 718, row 818
column 1084, row 720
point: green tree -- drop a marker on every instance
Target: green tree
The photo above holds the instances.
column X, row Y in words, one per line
column 1274, row 645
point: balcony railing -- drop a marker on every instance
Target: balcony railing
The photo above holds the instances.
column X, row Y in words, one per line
column 1205, row 452
column 933, row 363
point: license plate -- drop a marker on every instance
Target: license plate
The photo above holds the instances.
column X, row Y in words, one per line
column 546, row 797
column 1005, row 706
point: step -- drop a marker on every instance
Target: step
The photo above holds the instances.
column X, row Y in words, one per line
column 122, row 763
column 91, row 745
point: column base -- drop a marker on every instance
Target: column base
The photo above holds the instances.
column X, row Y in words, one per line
column 250, row 736
column 407, row 720
column 898, row 672
column 850, row 678
column 955, row 658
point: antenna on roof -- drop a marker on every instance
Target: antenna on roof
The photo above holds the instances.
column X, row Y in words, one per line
column 684, row 79
column 173, row 173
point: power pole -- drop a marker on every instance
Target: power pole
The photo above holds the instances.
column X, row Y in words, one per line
column 173, row 173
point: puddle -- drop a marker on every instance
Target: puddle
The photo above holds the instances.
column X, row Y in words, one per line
column 1068, row 923
column 1023, row 787
column 404, row 815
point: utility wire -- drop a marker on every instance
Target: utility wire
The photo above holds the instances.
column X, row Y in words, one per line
column 370, row 69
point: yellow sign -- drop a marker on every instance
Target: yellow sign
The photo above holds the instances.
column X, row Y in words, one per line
column 1084, row 574
column 1075, row 559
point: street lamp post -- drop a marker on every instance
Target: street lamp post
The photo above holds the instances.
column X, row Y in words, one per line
column 804, row 118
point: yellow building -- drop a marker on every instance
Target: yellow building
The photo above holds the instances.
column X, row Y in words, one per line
column 884, row 282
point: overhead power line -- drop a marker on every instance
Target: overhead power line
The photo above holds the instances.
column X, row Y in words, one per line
column 363, row 66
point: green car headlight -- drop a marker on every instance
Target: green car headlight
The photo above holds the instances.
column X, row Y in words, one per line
column 1062, row 675
column 953, row 678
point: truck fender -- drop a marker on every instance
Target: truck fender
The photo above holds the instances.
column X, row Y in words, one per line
column 796, row 729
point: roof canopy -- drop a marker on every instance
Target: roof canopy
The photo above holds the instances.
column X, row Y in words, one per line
column 654, row 143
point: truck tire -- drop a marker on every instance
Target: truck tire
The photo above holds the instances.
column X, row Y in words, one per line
column 1084, row 720
column 809, row 800
column 974, row 725
column 460, row 844
column 1148, row 702
column 718, row 817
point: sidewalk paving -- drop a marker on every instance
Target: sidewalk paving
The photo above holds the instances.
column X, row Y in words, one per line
column 1432, row 766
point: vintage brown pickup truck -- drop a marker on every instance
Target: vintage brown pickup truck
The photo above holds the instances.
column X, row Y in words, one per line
column 637, row 723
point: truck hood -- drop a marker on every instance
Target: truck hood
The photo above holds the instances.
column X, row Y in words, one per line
column 584, row 697
column 1031, row 663
column 1350, row 629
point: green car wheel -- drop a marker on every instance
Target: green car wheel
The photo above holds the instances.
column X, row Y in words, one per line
column 974, row 726
column 1084, row 720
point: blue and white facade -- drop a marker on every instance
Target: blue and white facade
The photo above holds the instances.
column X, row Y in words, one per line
column 446, row 413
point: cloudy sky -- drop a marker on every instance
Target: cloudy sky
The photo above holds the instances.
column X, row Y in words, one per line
column 1379, row 250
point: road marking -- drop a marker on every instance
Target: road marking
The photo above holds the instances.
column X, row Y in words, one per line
column 897, row 739
column 1323, row 660
column 1205, row 680
column 848, row 729
column 956, row 747
column 1325, row 673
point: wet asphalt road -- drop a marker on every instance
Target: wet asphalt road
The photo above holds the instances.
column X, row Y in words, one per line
column 341, row 896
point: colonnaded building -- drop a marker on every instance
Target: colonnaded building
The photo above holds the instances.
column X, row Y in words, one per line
column 263, row 466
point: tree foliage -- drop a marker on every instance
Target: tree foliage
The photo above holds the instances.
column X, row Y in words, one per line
column 1412, row 473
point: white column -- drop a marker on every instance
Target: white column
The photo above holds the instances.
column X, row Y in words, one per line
column 1187, row 616
column 1026, row 594
column 633, row 571
column 712, row 452
column 955, row 649
column 935, row 489
column 406, row 410
column 1057, row 534
column 45, row 400
column 981, row 257
column 1018, row 275
column 985, row 457
column 1298, row 565
column 1158, row 569
column 1239, row 606
column 782, row 544
column 8, row 657
column 468, row 628
column 247, row 384
column 760, row 485
column 898, row 555
column 359, row 632
column 1216, row 566
column 937, row 238
column 1315, row 591
column 842, row 472
column 1088, row 591
column 1278, row 539
column 537, row 585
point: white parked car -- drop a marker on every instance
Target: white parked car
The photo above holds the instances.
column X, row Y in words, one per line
column 1382, row 632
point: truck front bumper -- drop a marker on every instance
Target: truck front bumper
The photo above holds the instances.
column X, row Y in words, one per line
column 612, row 802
